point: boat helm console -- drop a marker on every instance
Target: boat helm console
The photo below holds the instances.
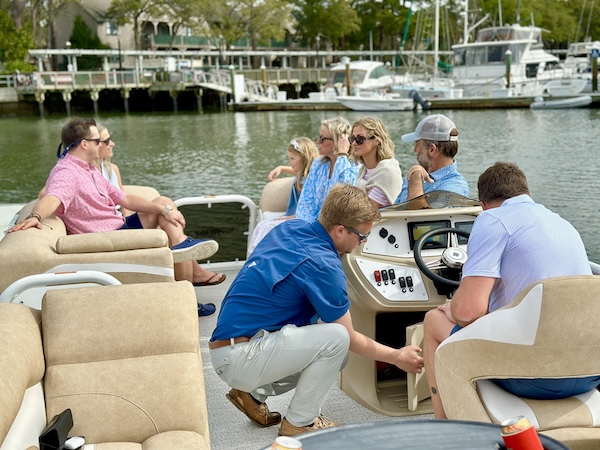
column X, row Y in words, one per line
column 410, row 264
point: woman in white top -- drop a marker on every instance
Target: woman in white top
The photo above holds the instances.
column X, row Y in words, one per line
column 103, row 163
column 380, row 175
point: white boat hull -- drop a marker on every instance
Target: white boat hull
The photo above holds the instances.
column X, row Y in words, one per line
column 376, row 104
column 565, row 87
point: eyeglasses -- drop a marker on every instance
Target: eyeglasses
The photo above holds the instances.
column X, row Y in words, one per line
column 96, row 140
column 61, row 154
column 105, row 141
column 360, row 139
column 361, row 237
column 321, row 138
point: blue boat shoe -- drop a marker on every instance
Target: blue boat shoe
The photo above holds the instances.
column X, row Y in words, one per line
column 206, row 309
column 194, row 249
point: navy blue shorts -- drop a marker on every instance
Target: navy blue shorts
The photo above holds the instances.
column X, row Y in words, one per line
column 548, row 388
column 545, row 388
column 132, row 222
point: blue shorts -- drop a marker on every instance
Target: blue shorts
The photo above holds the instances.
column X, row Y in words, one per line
column 545, row 388
column 132, row 222
column 548, row 388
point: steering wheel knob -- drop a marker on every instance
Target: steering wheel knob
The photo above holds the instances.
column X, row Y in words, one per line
column 454, row 257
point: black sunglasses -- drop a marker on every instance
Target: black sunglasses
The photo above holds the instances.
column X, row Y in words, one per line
column 105, row 141
column 360, row 139
column 361, row 237
column 96, row 140
column 320, row 139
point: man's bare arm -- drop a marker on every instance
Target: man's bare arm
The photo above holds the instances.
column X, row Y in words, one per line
column 470, row 302
column 44, row 207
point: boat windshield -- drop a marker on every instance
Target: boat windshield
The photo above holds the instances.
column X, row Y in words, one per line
column 339, row 76
column 380, row 71
column 487, row 54
column 434, row 200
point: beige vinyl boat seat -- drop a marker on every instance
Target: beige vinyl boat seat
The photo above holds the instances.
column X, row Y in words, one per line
column 125, row 359
column 274, row 197
column 128, row 255
column 550, row 331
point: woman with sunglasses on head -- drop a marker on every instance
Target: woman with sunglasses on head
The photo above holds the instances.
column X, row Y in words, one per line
column 380, row 175
column 335, row 165
column 301, row 153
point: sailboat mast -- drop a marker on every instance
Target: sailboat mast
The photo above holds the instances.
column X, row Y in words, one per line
column 466, row 23
column 436, row 45
column 518, row 12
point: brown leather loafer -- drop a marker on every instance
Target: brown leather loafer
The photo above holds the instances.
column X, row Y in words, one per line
column 287, row 429
column 257, row 412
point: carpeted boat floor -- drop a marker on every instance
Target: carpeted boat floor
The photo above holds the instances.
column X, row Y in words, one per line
column 232, row 430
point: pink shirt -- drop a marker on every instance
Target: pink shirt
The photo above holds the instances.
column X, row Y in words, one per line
column 87, row 199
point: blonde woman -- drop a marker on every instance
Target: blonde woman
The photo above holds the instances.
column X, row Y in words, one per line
column 380, row 175
column 109, row 170
column 335, row 165
column 301, row 153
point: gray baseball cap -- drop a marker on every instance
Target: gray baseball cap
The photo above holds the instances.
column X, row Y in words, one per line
column 436, row 127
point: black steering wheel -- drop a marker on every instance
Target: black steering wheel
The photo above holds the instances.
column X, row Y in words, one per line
column 452, row 257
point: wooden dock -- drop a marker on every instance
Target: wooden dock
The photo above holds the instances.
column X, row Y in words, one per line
column 435, row 104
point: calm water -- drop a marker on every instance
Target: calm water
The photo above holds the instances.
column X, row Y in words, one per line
column 224, row 153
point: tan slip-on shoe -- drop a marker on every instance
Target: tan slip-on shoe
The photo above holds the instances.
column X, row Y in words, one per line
column 257, row 412
column 287, row 429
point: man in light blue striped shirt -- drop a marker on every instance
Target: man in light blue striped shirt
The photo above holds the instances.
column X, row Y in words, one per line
column 514, row 242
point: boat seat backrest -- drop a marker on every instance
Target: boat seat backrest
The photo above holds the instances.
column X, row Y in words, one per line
column 22, row 408
column 129, row 255
column 126, row 361
column 549, row 331
column 276, row 195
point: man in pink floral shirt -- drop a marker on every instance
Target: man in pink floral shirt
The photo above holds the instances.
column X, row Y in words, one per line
column 80, row 195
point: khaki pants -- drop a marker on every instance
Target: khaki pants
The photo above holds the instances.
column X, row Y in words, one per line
column 306, row 358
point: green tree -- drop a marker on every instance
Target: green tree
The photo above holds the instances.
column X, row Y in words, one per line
column 83, row 37
column 330, row 20
column 133, row 11
column 184, row 13
column 14, row 45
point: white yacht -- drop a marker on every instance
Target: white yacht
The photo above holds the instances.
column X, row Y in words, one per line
column 480, row 67
column 578, row 62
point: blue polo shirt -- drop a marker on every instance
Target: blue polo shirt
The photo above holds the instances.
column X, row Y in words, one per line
column 294, row 276
column 445, row 179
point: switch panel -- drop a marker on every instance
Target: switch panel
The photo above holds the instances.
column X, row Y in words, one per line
column 395, row 283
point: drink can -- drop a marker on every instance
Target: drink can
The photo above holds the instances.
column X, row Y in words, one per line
column 286, row 443
column 519, row 434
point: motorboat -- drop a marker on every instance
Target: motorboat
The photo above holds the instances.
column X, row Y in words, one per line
column 578, row 101
column 377, row 102
column 480, row 67
column 410, row 265
column 364, row 76
column 369, row 76
column 578, row 62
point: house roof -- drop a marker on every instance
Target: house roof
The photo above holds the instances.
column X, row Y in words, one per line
column 96, row 8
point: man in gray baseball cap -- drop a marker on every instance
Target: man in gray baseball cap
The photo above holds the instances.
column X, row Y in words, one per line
column 436, row 145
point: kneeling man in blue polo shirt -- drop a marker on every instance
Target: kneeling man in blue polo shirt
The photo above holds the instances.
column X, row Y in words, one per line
column 268, row 341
